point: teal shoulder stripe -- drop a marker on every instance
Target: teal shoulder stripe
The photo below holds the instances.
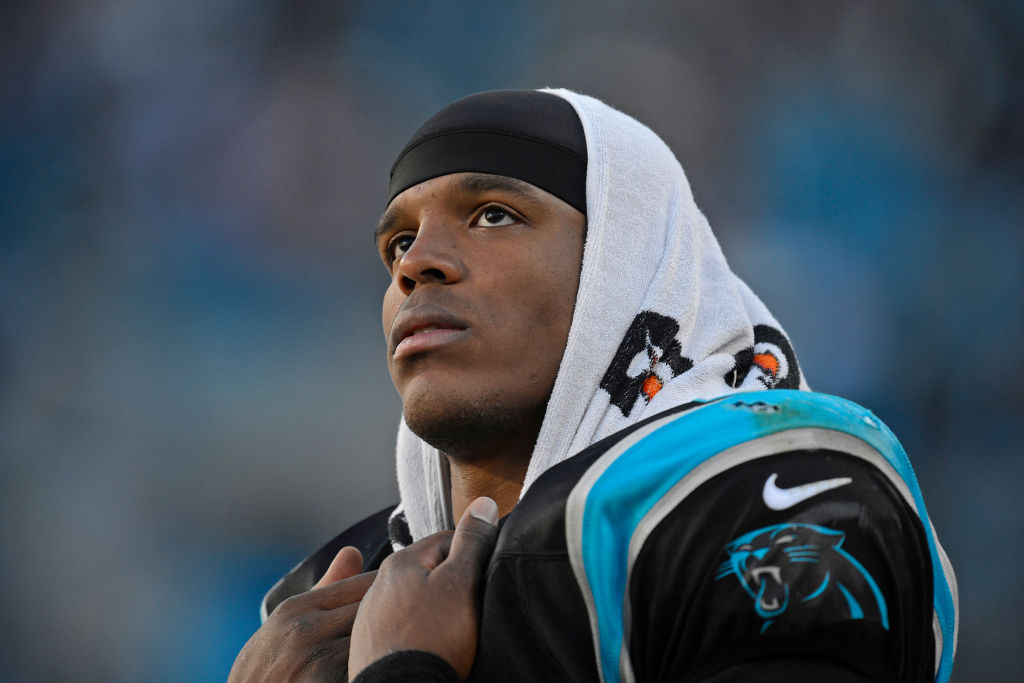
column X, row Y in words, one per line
column 609, row 502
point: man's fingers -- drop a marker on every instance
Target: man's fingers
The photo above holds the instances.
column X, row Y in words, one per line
column 427, row 594
column 474, row 536
column 425, row 554
column 343, row 592
column 317, row 626
column 347, row 563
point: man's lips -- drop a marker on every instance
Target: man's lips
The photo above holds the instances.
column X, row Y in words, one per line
column 424, row 329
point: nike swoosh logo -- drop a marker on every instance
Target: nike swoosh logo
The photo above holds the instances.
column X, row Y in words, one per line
column 780, row 499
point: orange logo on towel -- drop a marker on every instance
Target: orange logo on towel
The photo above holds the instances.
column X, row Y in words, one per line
column 771, row 359
column 767, row 362
column 652, row 385
column 648, row 357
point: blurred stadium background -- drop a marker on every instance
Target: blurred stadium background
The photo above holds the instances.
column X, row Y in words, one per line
column 192, row 385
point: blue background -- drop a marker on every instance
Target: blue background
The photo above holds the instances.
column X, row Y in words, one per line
column 193, row 390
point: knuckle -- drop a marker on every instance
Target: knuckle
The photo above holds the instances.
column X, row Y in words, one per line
column 289, row 606
column 388, row 565
column 300, row 627
column 476, row 535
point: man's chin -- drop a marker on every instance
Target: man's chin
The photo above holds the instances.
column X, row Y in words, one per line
column 457, row 426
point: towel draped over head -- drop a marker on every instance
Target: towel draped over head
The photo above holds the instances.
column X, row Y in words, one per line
column 660, row 319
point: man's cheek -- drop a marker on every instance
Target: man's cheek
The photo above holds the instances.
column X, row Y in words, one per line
column 392, row 302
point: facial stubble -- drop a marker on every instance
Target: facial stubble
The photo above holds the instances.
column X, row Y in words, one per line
column 463, row 427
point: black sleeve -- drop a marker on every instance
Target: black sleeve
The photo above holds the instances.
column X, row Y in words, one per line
column 408, row 665
column 835, row 576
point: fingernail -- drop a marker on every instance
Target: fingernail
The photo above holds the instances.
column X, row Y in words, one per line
column 485, row 509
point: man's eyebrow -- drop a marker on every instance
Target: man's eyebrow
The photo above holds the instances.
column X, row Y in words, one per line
column 478, row 183
column 386, row 222
column 475, row 183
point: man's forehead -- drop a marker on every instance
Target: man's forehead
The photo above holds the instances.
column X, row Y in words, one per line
column 477, row 183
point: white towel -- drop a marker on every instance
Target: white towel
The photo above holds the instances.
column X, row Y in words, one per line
column 660, row 320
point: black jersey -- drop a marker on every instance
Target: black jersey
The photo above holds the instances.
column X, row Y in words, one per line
column 768, row 529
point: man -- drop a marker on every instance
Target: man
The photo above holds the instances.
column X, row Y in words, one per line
column 568, row 340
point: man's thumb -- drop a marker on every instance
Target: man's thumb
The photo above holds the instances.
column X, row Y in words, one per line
column 475, row 535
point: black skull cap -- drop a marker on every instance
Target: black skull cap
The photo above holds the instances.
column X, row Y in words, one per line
column 526, row 134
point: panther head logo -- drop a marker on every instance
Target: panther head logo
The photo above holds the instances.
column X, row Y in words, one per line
column 788, row 569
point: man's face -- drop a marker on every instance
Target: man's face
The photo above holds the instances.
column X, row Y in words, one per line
column 484, row 271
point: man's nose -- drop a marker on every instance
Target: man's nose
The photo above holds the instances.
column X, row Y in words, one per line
column 433, row 257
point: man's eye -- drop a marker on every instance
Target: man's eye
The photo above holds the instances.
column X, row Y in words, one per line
column 399, row 245
column 495, row 216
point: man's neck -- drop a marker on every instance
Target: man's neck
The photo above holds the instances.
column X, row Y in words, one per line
column 500, row 478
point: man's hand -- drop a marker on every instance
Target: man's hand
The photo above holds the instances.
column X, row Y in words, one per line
column 425, row 596
column 307, row 636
